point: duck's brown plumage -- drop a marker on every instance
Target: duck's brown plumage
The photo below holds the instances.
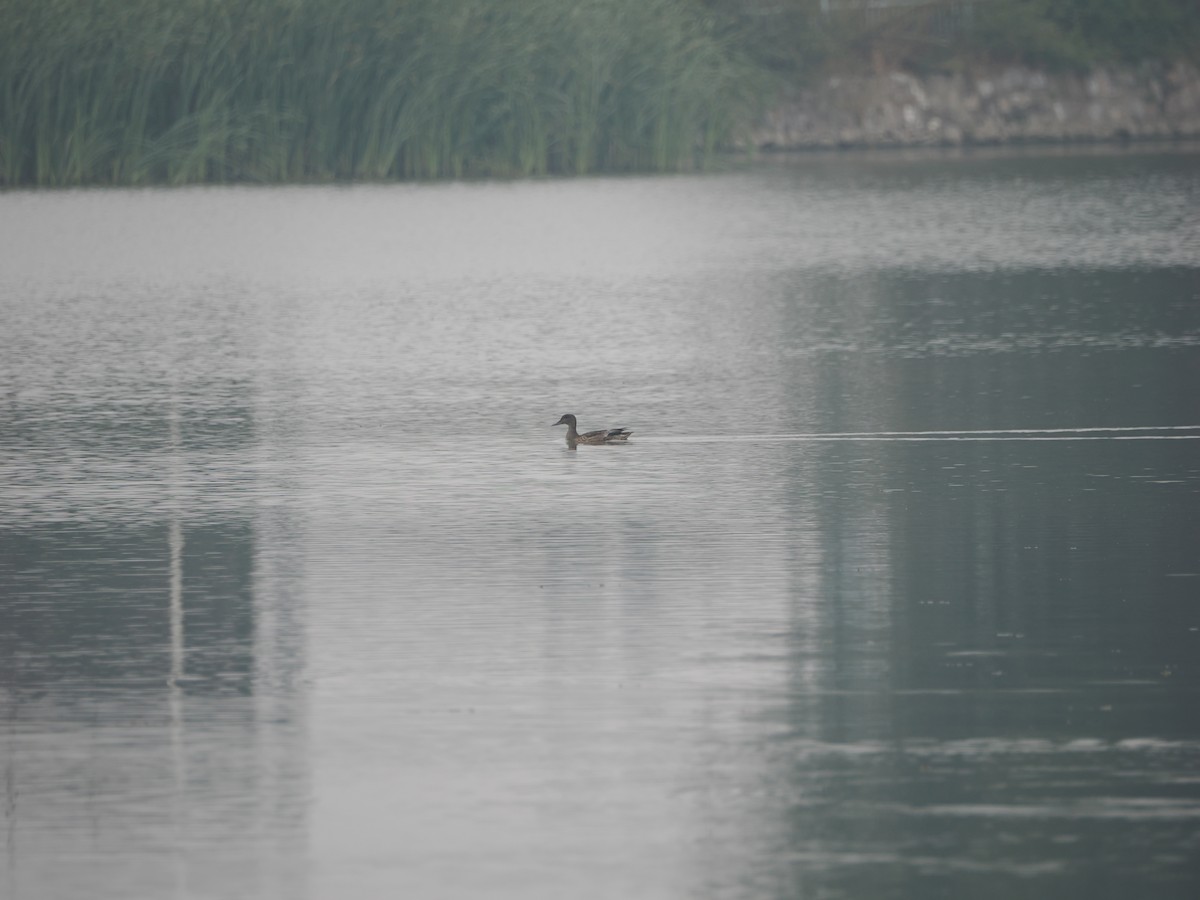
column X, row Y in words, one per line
column 603, row 436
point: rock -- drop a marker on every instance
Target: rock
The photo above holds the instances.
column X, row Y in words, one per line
column 899, row 109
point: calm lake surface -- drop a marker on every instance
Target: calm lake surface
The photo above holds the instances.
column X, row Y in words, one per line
column 895, row 592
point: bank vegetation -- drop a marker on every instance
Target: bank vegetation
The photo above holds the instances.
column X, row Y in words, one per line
column 180, row 91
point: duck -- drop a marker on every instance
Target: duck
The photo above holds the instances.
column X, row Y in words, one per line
column 603, row 436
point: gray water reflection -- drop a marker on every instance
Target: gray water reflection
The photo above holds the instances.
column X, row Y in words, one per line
column 300, row 594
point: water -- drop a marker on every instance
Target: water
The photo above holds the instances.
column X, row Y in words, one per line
column 893, row 593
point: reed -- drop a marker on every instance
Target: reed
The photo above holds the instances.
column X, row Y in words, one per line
column 176, row 91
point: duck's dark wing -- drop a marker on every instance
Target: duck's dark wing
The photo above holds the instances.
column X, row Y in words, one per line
column 618, row 434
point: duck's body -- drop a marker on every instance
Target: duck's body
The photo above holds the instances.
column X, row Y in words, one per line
column 603, row 436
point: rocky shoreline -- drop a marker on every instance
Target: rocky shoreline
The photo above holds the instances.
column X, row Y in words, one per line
column 1008, row 106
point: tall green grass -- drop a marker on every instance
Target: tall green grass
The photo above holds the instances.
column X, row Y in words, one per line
column 177, row 91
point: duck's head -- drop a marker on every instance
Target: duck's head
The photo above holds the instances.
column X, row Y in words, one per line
column 567, row 419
